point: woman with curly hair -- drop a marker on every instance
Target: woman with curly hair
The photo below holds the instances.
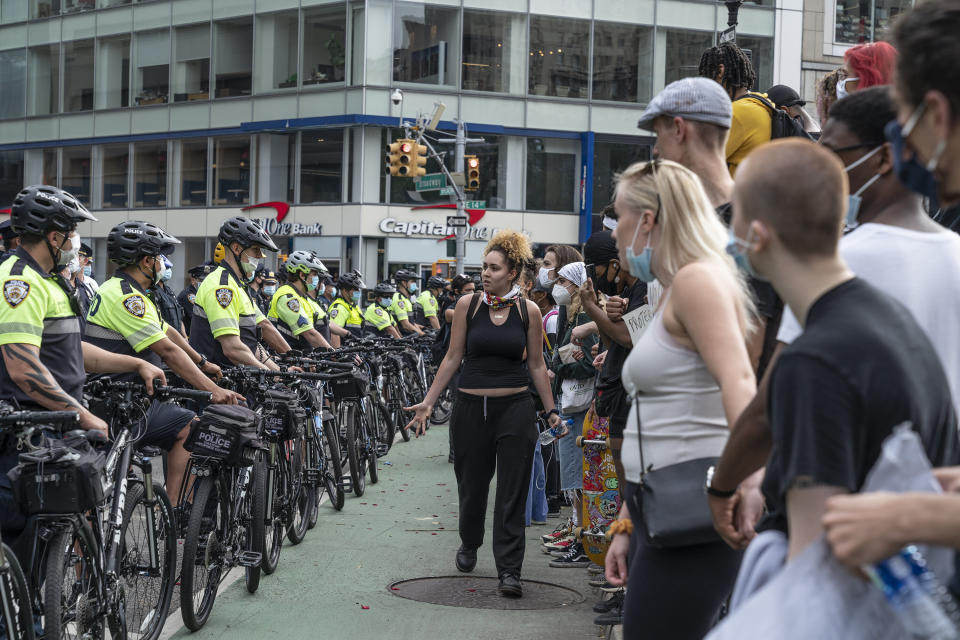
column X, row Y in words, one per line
column 497, row 335
column 827, row 93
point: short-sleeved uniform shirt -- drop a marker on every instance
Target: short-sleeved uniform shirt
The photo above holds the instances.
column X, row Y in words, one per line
column 428, row 302
column 294, row 314
column 186, row 299
column 223, row 308
column 346, row 315
column 401, row 307
column 321, row 321
column 862, row 366
column 377, row 318
column 35, row 310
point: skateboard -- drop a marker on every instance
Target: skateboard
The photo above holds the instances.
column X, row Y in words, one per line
column 601, row 494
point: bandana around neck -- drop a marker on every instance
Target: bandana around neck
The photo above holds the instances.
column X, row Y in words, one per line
column 497, row 302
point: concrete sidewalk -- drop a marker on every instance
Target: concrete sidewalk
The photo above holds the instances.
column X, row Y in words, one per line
column 403, row 527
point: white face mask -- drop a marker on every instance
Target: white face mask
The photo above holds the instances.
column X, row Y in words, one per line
column 544, row 277
column 842, row 87
column 560, row 295
column 66, row 257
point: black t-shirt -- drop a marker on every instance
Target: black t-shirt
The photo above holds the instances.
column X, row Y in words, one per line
column 861, row 367
column 617, row 354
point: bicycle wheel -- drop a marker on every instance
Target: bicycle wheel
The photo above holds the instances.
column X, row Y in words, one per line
column 443, row 408
column 382, row 426
column 358, row 473
column 397, row 415
column 71, row 592
column 334, row 479
column 148, row 589
column 203, row 560
column 15, row 610
column 275, row 524
column 317, row 486
column 300, row 497
column 414, row 390
column 253, row 512
column 368, row 447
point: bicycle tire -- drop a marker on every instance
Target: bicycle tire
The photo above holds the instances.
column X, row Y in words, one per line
column 314, row 457
column 300, row 495
column 135, row 558
column 398, row 415
column 195, row 615
column 369, row 450
column 334, row 465
column 382, row 427
column 255, row 507
column 14, row 582
column 443, row 409
column 72, row 555
column 414, row 392
column 274, row 525
column 358, row 474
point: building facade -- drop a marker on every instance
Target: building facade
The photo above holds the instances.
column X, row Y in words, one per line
column 182, row 112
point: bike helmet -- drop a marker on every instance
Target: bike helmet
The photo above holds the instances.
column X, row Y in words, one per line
column 129, row 241
column 405, row 274
column 351, row 280
column 41, row 208
column 245, row 231
column 384, row 289
column 436, row 282
column 303, row 262
column 316, row 257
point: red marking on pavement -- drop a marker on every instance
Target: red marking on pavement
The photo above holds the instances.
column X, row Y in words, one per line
column 472, row 590
column 364, row 607
column 282, row 208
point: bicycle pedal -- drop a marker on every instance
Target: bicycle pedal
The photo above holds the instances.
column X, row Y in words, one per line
column 249, row 558
column 382, row 449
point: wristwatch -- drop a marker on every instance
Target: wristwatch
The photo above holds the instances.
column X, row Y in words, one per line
column 716, row 493
column 203, row 361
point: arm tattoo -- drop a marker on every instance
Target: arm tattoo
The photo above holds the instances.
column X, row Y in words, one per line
column 39, row 382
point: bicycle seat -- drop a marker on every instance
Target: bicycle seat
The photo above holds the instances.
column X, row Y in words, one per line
column 151, row 451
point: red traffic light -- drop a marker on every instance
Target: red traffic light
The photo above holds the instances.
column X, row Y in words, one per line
column 473, row 163
column 406, row 147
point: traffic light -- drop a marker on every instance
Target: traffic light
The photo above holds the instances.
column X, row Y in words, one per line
column 419, row 159
column 395, row 157
column 473, row 172
column 406, row 158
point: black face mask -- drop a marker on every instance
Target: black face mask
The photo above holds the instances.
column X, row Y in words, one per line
column 605, row 285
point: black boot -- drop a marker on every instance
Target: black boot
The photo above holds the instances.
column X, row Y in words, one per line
column 510, row 585
column 466, row 559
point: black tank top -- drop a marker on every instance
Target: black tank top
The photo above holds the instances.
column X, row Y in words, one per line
column 494, row 355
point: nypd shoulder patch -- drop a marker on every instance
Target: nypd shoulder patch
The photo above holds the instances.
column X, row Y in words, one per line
column 15, row 291
column 224, row 297
column 293, row 304
column 135, row 305
column 334, row 312
column 378, row 311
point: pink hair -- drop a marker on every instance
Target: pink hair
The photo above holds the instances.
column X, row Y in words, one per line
column 871, row 63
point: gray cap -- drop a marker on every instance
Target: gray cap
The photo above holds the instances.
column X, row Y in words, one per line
column 699, row 99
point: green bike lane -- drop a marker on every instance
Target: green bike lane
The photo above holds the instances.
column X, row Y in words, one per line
column 336, row 582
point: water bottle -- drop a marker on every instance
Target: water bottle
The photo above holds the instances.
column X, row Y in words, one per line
column 916, row 597
column 553, row 433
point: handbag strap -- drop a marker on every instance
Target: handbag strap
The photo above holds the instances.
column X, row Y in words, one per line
column 636, row 407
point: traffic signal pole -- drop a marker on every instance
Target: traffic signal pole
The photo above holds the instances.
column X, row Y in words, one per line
column 461, row 147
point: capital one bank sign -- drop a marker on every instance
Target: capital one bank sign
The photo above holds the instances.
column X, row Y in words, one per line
column 440, row 230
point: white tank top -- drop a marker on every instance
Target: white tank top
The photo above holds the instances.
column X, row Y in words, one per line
column 681, row 409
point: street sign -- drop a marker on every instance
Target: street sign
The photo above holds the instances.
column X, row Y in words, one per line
column 475, row 204
column 430, row 182
column 449, row 190
column 457, row 222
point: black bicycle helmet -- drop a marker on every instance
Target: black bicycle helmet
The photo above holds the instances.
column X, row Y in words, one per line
column 384, row 289
column 351, row 280
column 129, row 241
column 436, row 282
column 303, row 262
column 245, row 231
column 40, row 208
column 405, row 274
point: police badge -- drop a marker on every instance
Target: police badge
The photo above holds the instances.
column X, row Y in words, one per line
column 191, row 298
column 333, row 313
column 15, row 291
column 293, row 304
column 135, row 305
column 224, row 297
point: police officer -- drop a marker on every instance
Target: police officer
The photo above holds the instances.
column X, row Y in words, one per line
column 256, row 289
column 291, row 306
column 189, row 294
column 400, row 306
column 170, row 309
column 428, row 301
column 40, row 342
column 329, row 292
column 225, row 319
column 11, row 239
column 270, row 285
column 124, row 318
column 377, row 319
column 345, row 308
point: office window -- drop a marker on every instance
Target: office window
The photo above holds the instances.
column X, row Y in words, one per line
column 191, row 63
column 276, row 173
column 622, row 62
column 78, row 75
column 76, row 173
column 321, row 165
column 551, row 171
column 324, row 45
column 43, row 80
column 610, row 157
column 75, row 6
column 113, row 73
column 150, row 174
column 234, row 58
column 113, row 3
column 151, row 76
column 861, row 21
column 44, row 8
column 684, row 49
column 427, row 40
column 116, row 161
column 51, row 174
column 11, row 176
column 13, row 79
column 13, row 11
column 559, row 57
column 491, row 154
column 276, row 54
column 494, row 51
column 761, row 55
column 193, row 172
column 231, row 170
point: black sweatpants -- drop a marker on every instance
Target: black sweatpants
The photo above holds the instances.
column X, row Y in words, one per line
column 494, row 434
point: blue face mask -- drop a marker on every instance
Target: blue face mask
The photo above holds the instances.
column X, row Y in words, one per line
column 854, row 200
column 385, row 302
column 412, row 287
column 737, row 249
column 640, row 265
column 912, row 174
column 167, row 274
column 355, row 296
column 88, row 271
column 313, row 283
column 270, row 290
column 332, row 291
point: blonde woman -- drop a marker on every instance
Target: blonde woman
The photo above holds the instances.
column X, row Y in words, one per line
column 692, row 377
column 497, row 335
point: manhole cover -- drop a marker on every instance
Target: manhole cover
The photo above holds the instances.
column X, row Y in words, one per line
column 477, row 592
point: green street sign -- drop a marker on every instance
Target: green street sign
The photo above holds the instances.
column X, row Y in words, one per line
column 475, row 204
column 449, row 190
column 430, row 182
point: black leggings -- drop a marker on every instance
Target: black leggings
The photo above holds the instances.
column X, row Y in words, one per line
column 674, row 594
column 494, row 434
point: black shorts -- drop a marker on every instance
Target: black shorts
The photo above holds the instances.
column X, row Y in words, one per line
column 165, row 421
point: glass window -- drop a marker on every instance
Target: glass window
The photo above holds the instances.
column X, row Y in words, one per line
column 761, row 55
column 551, row 172
column 321, row 165
column 74, row 6
column 113, row 73
column 610, row 158
column 860, row 21
column 426, row 40
column 622, row 62
column 324, row 45
column 559, row 57
column 231, row 170
column 50, row 172
column 683, row 52
column 13, row 79
column 276, row 54
column 402, row 190
column 150, row 174
column 191, row 68
column 43, row 80
column 151, row 77
column 491, row 154
column 276, row 174
column 493, row 51
column 13, row 10
column 44, row 8
column 116, row 160
column 76, row 173
column 193, row 172
column 78, row 75
column 11, row 175
column 234, row 58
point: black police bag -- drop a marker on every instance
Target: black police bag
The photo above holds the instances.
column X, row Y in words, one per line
column 58, row 478
column 227, row 433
